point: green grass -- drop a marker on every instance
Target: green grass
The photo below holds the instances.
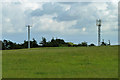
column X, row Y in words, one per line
column 61, row 62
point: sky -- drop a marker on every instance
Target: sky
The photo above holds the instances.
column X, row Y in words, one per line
column 72, row 21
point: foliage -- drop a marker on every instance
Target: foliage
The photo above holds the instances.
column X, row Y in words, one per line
column 43, row 42
column 92, row 44
column 7, row 44
column 53, row 42
column 103, row 44
column 84, row 44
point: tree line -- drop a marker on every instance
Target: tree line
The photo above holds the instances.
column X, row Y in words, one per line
column 7, row 44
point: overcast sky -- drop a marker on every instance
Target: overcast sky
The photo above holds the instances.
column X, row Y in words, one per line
column 72, row 21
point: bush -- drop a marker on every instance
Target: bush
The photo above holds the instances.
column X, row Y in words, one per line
column 92, row 44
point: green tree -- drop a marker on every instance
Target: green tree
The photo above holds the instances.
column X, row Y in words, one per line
column 92, row 44
column 84, row 44
column 103, row 44
column 43, row 42
column 34, row 43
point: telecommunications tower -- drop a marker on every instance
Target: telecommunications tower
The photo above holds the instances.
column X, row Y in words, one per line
column 98, row 23
column 28, row 35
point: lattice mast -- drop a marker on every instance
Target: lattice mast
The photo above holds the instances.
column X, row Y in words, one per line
column 98, row 23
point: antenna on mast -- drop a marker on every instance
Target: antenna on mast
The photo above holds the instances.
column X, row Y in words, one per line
column 98, row 23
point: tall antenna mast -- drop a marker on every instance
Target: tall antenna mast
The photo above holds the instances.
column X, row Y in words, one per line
column 28, row 35
column 98, row 23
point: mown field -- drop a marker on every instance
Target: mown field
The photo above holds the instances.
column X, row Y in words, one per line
column 61, row 62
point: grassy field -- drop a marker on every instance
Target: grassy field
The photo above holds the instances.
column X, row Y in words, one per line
column 61, row 62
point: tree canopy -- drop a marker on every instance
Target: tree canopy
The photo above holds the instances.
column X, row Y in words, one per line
column 7, row 44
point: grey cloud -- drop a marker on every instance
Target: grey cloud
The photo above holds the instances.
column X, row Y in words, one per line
column 68, row 2
column 85, row 15
column 84, row 12
column 76, row 12
column 75, row 3
column 63, row 15
column 48, row 8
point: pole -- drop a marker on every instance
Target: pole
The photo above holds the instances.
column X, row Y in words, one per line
column 28, row 36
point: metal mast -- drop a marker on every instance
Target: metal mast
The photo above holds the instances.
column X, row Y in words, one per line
column 28, row 35
column 98, row 23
